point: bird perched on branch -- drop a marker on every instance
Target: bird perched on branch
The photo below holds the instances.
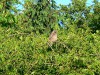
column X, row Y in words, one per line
column 53, row 37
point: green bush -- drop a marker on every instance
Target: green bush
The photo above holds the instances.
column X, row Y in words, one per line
column 75, row 52
column 24, row 48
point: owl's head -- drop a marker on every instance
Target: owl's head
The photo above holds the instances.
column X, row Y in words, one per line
column 54, row 32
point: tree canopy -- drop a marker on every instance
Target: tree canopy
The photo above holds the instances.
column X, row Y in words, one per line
column 24, row 34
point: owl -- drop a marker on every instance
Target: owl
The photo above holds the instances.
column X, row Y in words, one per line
column 53, row 36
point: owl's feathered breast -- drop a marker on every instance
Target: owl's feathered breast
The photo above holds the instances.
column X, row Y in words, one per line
column 53, row 36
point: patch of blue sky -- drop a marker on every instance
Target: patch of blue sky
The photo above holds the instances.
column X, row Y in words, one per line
column 66, row 2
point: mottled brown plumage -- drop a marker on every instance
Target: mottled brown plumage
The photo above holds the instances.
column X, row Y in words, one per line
column 53, row 36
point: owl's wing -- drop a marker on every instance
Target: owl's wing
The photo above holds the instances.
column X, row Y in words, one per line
column 51, row 35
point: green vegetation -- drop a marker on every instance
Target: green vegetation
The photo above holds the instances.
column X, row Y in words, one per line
column 24, row 36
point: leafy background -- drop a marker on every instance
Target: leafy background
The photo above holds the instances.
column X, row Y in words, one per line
column 24, row 37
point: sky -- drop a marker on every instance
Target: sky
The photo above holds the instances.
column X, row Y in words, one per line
column 66, row 2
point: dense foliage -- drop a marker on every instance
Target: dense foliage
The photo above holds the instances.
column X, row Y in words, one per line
column 24, row 48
